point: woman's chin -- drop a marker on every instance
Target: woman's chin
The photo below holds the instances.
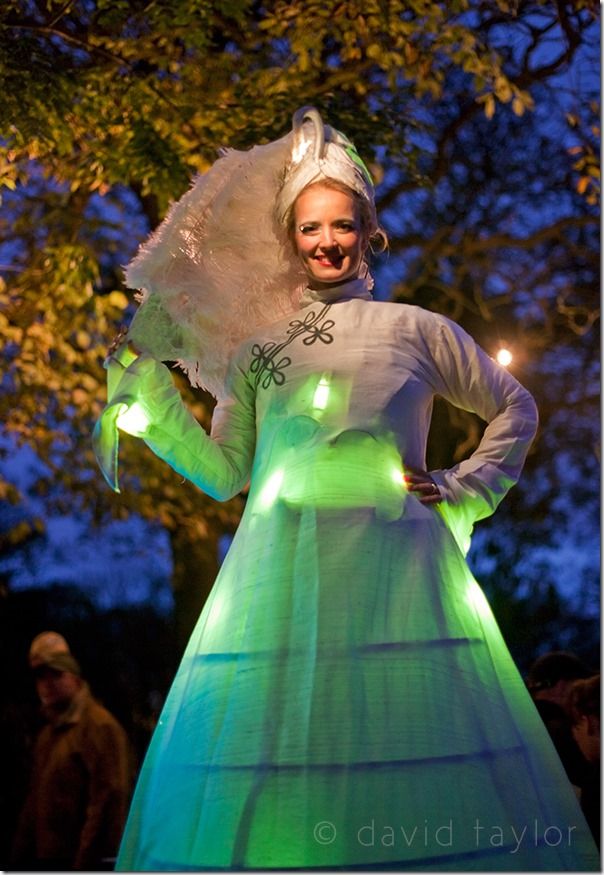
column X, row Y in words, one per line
column 330, row 276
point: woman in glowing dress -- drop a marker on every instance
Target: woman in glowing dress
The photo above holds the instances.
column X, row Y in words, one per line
column 346, row 699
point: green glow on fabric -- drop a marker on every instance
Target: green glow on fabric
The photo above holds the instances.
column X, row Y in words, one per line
column 216, row 609
column 270, row 490
column 477, row 600
column 351, row 469
column 321, row 396
column 133, row 420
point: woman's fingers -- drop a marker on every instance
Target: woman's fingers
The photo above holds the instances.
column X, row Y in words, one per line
column 423, row 486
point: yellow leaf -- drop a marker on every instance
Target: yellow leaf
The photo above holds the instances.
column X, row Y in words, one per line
column 83, row 339
column 89, row 382
column 517, row 106
column 411, row 53
column 118, row 299
column 489, row 106
column 503, row 89
column 582, row 184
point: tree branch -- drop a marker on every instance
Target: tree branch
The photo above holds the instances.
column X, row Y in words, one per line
column 469, row 246
column 84, row 45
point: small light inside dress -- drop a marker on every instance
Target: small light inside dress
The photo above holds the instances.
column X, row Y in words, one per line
column 270, row 490
column 477, row 599
column 321, row 396
column 504, row 357
column 398, row 476
column 133, row 420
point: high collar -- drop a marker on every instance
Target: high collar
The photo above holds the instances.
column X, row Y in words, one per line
column 360, row 287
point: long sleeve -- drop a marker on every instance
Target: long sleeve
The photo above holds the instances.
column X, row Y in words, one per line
column 219, row 464
column 468, row 378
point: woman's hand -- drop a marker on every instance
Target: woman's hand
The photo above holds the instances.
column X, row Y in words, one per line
column 423, row 486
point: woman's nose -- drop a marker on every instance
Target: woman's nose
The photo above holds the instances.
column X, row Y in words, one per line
column 327, row 239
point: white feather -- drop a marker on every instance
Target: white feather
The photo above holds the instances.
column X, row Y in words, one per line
column 218, row 267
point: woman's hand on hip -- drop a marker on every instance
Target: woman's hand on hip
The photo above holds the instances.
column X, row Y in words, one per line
column 423, row 486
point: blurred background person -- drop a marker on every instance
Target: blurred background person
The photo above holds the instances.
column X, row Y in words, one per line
column 549, row 681
column 584, row 709
column 74, row 812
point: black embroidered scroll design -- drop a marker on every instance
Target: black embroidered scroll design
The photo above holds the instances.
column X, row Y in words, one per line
column 265, row 365
column 315, row 331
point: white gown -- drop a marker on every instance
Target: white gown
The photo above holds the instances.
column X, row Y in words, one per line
column 346, row 699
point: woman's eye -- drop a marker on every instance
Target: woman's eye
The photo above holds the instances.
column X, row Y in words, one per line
column 343, row 227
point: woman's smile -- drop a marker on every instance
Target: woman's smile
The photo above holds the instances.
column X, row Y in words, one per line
column 329, row 260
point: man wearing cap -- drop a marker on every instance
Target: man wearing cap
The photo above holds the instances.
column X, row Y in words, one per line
column 75, row 809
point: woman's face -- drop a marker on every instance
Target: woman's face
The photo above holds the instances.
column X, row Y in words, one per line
column 328, row 236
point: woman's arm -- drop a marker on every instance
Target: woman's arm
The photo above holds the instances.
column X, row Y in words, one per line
column 468, row 378
column 219, row 463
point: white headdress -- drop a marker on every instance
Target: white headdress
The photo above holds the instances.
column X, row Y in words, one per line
column 221, row 265
column 320, row 152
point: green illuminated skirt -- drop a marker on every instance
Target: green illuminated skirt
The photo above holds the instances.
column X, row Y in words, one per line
column 347, row 701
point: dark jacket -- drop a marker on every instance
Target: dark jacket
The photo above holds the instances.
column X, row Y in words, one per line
column 75, row 810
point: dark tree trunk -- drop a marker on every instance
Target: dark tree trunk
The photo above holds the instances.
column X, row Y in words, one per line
column 195, row 569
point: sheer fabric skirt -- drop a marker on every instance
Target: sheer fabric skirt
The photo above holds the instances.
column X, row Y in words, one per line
column 347, row 701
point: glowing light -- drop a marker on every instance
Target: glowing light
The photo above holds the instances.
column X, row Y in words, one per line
column 133, row 420
column 321, row 396
column 216, row 610
column 477, row 599
column 504, row 357
column 270, row 490
column 398, row 476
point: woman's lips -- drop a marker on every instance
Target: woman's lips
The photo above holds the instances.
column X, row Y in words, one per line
column 329, row 262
